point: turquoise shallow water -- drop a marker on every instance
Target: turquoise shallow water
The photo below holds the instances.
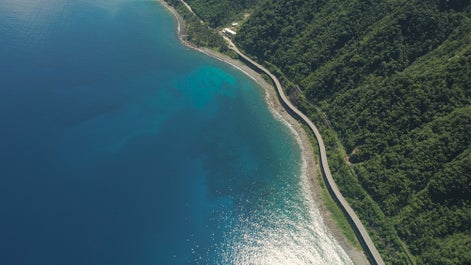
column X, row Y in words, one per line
column 120, row 146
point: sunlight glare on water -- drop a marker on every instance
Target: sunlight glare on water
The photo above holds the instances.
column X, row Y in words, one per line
column 120, row 146
column 292, row 234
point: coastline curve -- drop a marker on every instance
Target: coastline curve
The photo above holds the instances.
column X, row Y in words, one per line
column 362, row 234
column 292, row 111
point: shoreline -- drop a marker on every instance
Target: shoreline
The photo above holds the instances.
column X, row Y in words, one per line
column 310, row 169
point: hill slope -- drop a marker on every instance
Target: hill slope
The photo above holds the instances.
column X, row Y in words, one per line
column 394, row 79
column 220, row 12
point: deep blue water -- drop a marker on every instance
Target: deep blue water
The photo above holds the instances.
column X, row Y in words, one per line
column 120, row 146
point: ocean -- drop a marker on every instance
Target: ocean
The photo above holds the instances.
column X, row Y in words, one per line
column 118, row 145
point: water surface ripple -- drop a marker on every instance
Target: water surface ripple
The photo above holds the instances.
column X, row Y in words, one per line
column 120, row 146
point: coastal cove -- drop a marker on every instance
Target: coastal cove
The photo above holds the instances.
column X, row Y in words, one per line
column 273, row 99
column 122, row 146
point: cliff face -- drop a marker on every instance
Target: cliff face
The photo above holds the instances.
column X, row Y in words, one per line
column 394, row 79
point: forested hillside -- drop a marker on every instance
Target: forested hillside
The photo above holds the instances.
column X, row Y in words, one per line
column 394, row 80
column 220, row 12
column 201, row 30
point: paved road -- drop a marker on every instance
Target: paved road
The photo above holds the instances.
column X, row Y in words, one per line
column 189, row 8
column 360, row 230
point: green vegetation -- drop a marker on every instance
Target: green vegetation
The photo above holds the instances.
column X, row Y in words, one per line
column 221, row 12
column 336, row 213
column 394, row 79
column 196, row 31
column 388, row 82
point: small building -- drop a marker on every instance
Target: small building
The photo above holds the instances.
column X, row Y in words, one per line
column 235, row 24
column 229, row 31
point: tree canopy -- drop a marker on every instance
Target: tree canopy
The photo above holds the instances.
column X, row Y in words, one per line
column 394, row 81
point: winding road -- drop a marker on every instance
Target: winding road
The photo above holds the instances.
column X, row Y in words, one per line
column 360, row 230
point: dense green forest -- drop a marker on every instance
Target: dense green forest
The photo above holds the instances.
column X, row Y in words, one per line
column 221, row 12
column 197, row 31
column 394, row 80
column 389, row 84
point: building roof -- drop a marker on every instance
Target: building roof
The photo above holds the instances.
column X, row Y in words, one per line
column 229, row 31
